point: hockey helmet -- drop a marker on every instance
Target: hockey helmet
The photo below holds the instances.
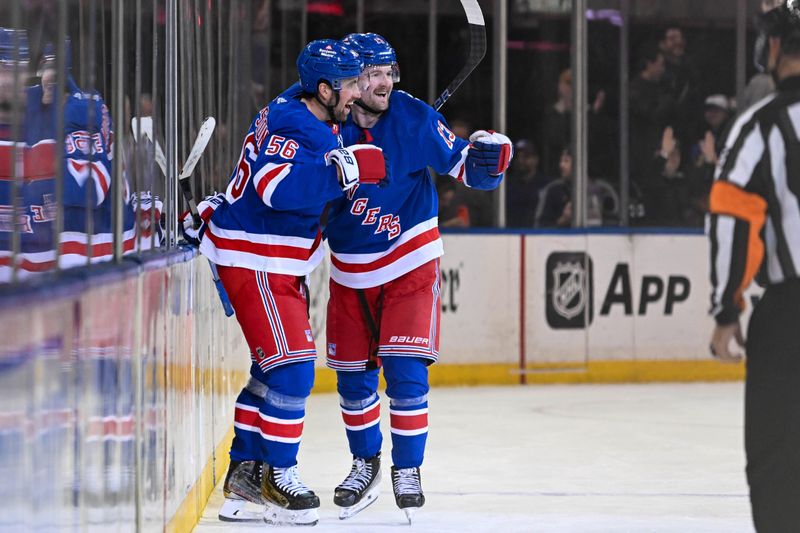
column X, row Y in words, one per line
column 374, row 50
column 781, row 19
column 49, row 52
column 329, row 61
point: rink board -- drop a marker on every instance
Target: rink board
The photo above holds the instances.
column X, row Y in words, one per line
column 142, row 353
column 97, row 369
column 570, row 308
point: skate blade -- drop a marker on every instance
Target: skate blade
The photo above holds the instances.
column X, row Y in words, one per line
column 369, row 498
column 234, row 510
column 278, row 516
column 409, row 511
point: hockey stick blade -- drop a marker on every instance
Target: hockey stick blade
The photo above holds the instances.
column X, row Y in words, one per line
column 200, row 143
column 203, row 136
column 477, row 49
column 144, row 126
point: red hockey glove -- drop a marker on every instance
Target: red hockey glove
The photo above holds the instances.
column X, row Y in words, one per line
column 359, row 163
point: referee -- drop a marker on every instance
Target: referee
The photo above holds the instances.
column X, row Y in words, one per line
column 755, row 229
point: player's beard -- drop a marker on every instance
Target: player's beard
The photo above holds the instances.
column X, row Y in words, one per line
column 375, row 103
column 340, row 112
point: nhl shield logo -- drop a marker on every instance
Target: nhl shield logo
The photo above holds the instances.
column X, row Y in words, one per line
column 569, row 290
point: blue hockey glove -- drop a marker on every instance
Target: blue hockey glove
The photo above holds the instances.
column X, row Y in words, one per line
column 490, row 152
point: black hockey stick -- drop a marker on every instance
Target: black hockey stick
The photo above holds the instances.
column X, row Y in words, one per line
column 477, row 49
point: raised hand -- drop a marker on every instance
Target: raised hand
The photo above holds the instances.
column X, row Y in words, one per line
column 490, row 152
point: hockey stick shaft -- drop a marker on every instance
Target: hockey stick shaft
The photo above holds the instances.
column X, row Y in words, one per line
column 145, row 125
column 477, row 49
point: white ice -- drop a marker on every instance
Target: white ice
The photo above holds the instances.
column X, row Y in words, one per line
column 573, row 458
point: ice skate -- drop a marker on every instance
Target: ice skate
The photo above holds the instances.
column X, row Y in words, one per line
column 242, row 490
column 289, row 502
column 360, row 488
column 407, row 487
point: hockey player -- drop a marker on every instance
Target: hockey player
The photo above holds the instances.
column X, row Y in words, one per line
column 384, row 291
column 88, row 141
column 264, row 235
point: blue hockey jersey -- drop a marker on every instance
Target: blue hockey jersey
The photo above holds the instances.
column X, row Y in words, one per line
column 88, row 139
column 270, row 217
column 377, row 234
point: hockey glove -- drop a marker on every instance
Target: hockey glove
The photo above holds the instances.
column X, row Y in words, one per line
column 490, row 152
column 191, row 234
column 359, row 163
column 206, row 208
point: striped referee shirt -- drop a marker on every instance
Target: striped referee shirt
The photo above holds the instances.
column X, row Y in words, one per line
column 755, row 216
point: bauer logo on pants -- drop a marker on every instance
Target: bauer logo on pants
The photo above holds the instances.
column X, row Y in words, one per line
column 569, row 290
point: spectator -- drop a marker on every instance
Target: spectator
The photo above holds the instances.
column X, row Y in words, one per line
column 479, row 205
column 453, row 212
column 716, row 115
column 555, row 199
column 663, row 189
column 655, row 158
column 526, row 180
column 556, row 124
column 555, row 202
column 679, row 78
column 557, row 129
column 717, row 112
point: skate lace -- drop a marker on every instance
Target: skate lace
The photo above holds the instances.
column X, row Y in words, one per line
column 359, row 477
column 406, row 481
column 288, row 480
column 256, row 473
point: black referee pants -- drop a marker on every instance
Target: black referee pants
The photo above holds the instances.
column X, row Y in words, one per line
column 772, row 410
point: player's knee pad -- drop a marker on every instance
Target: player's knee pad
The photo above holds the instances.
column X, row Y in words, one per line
column 359, row 387
column 288, row 383
column 406, row 378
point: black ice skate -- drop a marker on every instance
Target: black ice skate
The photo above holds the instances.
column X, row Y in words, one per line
column 242, row 490
column 360, row 488
column 289, row 502
column 407, row 487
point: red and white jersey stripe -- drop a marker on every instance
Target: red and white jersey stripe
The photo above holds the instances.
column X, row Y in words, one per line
column 280, row 254
column 415, row 247
column 82, row 169
column 75, row 248
column 268, row 178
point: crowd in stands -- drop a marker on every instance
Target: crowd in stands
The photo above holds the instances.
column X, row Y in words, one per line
column 674, row 130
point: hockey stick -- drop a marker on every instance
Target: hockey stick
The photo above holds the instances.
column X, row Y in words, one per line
column 477, row 49
column 146, row 125
column 200, row 143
